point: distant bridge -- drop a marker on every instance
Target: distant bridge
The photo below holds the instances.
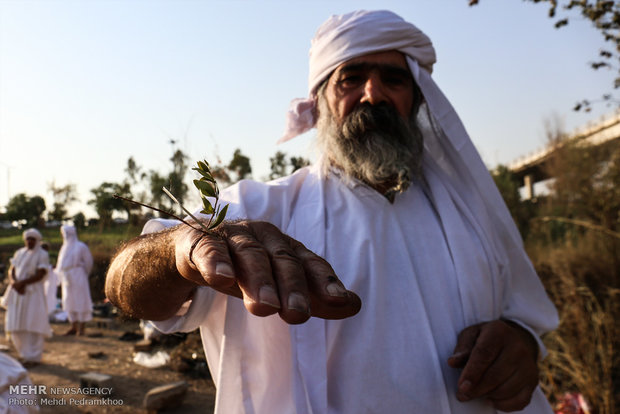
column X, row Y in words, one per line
column 531, row 168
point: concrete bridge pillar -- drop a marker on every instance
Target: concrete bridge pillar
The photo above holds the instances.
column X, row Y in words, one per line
column 528, row 182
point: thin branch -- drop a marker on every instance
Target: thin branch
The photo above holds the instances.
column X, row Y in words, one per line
column 160, row 211
column 169, row 194
column 581, row 223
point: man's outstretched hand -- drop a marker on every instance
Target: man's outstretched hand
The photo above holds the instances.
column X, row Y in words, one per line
column 499, row 361
column 269, row 270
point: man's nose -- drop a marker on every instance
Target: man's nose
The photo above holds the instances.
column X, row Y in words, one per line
column 374, row 91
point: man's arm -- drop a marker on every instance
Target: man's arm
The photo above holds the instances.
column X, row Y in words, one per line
column 20, row 285
column 153, row 275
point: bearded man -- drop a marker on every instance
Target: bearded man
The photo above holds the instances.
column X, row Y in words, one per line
column 26, row 321
column 444, row 310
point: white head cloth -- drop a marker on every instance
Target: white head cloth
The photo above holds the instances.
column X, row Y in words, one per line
column 34, row 233
column 345, row 37
column 69, row 251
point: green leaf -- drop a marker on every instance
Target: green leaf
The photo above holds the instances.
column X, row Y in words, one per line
column 205, row 174
column 208, row 208
column 205, row 187
column 203, row 165
column 220, row 218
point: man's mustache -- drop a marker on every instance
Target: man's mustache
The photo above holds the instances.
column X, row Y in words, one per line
column 367, row 117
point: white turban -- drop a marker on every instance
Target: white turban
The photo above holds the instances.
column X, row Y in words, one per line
column 342, row 38
column 34, row 233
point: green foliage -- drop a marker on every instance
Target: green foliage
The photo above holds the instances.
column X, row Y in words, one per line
column 63, row 197
column 279, row 165
column 240, row 165
column 105, row 203
column 508, row 185
column 207, row 185
column 298, row 163
column 79, row 220
column 177, row 175
column 208, row 188
column 27, row 209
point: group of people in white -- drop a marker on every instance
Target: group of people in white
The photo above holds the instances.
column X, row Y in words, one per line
column 31, row 295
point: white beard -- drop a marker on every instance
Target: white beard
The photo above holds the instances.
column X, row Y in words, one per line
column 374, row 144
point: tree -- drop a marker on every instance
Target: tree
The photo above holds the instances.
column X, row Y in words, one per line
column 104, row 202
column 298, row 162
column 240, row 165
column 278, row 165
column 79, row 220
column 63, row 197
column 605, row 17
column 157, row 181
column 26, row 209
column 508, row 186
column 176, row 178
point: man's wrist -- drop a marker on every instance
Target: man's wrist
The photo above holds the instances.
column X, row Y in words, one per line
column 527, row 336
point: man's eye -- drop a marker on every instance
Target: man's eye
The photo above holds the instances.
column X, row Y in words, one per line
column 396, row 80
column 350, row 81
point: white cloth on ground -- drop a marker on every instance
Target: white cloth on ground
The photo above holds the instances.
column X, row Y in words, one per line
column 74, row 265
column 12, row 373
column 421, row 277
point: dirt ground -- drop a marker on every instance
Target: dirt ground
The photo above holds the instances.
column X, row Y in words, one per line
column 66, row 358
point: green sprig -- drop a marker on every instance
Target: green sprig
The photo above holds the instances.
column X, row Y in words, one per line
column 208, row 188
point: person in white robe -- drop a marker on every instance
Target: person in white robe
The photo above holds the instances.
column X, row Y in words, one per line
column 74, row 265
column 12, row 400
column 50, row 284
column 26, row 321
column 442, row 310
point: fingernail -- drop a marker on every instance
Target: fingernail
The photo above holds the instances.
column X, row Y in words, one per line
column 267, row 295
column 464, row 387
column 224, row 270
column 335, row 289
column 298, row 302
column 459, row 354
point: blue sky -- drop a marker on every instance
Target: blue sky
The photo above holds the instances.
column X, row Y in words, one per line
column 86, row 84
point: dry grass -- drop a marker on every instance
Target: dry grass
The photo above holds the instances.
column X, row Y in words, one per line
column 581, row 277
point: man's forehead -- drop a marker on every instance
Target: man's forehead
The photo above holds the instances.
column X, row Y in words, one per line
column 391, row 58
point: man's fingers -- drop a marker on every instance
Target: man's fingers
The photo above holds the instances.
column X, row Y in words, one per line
column 270, row 271
column 487, row 348
column 288, row 273
column 328, row 296
column 253, row 271
column 464, row 344
column 205, row 260
column 514, row 402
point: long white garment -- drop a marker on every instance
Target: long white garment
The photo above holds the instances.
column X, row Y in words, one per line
column 50, row 286
column 27, row 312
column 423, row 273
column 12, row 373
column 74, row 264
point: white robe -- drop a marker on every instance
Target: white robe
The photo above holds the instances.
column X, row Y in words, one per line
column 74, row 264
column 423, row 273
column 12, row 373
column 27, row 312
column 50, row 286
